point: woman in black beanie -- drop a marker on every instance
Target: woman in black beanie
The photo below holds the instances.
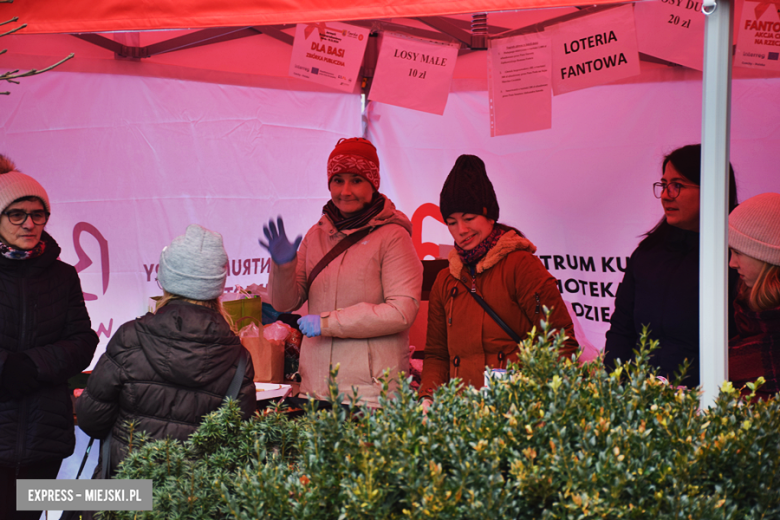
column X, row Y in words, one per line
column 497, row 263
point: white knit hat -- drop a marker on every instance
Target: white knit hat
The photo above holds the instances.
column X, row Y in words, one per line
column 754, row 228
column 15, row 185
column 194, row 265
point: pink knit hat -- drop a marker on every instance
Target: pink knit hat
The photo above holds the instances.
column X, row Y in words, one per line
column 754, row 228
column 15, row 185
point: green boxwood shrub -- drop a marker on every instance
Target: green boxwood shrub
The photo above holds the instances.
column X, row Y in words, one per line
column 552, row 440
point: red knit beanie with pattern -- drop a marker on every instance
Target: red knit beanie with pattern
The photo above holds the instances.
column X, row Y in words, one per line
column 355, row 155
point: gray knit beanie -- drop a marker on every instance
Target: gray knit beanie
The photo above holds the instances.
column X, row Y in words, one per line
column 16, row 185
column 754, row 228
column 194, row 265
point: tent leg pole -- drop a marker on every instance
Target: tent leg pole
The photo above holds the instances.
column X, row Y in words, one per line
column 713, row 258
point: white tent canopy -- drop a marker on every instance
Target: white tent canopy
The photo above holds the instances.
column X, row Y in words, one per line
column 132, row 150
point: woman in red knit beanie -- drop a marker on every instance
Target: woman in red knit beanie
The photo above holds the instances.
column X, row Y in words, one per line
column 359, row 272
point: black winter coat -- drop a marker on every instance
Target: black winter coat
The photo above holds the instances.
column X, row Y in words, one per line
column 660, row 289
column 164, row 372
column 42, row 314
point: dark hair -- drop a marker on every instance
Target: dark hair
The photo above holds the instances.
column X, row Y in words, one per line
column 687, row 161
column 506, row 228
column 31, row 198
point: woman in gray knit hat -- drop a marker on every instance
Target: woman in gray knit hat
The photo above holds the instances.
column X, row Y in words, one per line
column 165, row 371
column 754, row 240
column 45, row 338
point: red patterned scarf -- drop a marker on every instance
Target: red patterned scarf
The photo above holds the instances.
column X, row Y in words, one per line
column 472, row 256
column 22, row 254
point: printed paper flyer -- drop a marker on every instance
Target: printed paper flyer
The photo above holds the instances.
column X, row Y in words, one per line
column 672, row 30
column 594, row 50
column 519, row 84
column 758, row 44
column 329, row 54
column 414, row 73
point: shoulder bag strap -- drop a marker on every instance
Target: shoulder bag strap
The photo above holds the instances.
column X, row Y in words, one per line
column 86, row 456
column 482, row 303
column 336, row 251
column 238, row 377
column 105, row 456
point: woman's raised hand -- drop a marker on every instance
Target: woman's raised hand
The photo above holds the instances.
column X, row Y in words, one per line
column 280, row 248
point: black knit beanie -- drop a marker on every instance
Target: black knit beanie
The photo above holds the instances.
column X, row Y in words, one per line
column 468, row 190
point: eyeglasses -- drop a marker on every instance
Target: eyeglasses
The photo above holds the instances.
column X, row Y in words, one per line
column 18, row 217
column 672, row 189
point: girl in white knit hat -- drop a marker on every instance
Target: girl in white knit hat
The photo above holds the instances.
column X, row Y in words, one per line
column 754, row 240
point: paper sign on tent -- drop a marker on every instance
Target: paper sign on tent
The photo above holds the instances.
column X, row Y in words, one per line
column 414, row 73
column 594, row 50
column 758, row 44
column 519, row 84
column 672, row 30
column 329, row 54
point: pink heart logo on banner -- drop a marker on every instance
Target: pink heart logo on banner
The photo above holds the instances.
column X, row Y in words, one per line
column 763, row 6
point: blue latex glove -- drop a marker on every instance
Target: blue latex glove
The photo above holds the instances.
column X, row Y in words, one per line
column 280, row 248
column 310, row 325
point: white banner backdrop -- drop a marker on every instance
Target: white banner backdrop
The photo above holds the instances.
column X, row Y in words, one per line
column 129, row 162
column 580, row 191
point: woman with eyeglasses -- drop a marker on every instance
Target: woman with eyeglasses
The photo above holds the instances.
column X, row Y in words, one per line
column 660, row 287
column 754, row 240
column 45, row 338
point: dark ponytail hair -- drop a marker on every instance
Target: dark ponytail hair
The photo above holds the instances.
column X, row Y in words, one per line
column 687, row 161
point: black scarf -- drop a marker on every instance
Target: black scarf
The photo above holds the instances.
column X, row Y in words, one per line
column 373, row 209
